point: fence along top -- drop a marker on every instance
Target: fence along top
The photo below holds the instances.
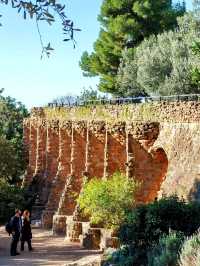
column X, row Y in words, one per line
column 129, row 100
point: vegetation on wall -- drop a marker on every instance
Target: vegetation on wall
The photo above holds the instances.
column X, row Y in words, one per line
column 124, row 24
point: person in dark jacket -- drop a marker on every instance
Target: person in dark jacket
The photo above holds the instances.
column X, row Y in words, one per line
column 26, row 234
column 16, row 226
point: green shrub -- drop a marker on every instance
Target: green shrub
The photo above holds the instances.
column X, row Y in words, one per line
column 119, row 257
column 106, row 200
column 145, row 224
column 11, row 197
column 166, row 252
column 190, row 253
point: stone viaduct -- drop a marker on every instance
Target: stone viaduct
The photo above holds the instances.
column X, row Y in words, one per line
column 156, row 144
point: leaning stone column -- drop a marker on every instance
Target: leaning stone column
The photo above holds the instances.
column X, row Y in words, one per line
column 75, row 182
column 32, row 131
column 51, row 171
column 64, row 169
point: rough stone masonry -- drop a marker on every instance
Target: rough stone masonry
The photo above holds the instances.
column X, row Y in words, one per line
column 163, row 155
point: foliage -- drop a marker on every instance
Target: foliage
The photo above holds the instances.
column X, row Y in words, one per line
column 119, row 257
column 166, row 252
column 86, row 95
column 12, row 162
column 162, row 64
column 44, row 10
column 11, row 197
column 190, row 253
column 147, row 223
column 124, row 24
column 90, row 94
column 9, row 163
column 106, row 200
column 196, row 71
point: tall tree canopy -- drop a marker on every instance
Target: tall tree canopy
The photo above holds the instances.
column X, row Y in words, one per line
column 162, row 64
column 12, row 163
column 124, row 24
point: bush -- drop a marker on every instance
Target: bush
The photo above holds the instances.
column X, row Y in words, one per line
column 145, row 224
column 190, row 253
column 11, row 197
column 119, row 257
column 106, row 200
column 166, row 252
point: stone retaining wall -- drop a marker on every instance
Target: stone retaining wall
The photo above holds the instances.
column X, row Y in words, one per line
column 61, row 151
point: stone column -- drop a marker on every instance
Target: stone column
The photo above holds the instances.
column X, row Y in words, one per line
column 32, row 131
column 64, row 170
column 41, row 149
column 51, row 171
column 73, row 228
column 116, row 148
column 94, row 167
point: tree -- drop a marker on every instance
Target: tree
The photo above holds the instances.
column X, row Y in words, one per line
column 124, row 24
column 162, row 64
column 85, row 96
column 195, row 75
column 12, row 163
column 11, row 197
column 44, row 10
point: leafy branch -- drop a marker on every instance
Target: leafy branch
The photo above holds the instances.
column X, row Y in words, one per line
column 42, row 10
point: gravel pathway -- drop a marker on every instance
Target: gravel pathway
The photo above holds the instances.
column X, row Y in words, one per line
column 48, row 251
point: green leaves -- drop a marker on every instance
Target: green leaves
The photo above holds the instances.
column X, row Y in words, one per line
column 44, row 10
column 106, row 200
column 11, row 197
column 124, row 24
column 162, row 64
column 12, row 162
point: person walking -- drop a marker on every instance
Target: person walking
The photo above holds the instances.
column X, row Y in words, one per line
column 16, row 227
column 26, row 234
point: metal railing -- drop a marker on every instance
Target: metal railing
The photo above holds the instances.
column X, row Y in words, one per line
column 128, row 100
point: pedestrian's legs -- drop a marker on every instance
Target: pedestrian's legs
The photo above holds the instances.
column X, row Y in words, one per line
column 13, row 246
column 29, row 245
column 22, row 245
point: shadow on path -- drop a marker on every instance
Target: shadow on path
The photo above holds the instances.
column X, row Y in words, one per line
column 48, row 251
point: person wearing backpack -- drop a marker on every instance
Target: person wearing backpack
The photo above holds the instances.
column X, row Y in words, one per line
column 16, row 226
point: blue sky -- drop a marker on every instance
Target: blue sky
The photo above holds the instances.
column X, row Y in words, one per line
column 33, row 81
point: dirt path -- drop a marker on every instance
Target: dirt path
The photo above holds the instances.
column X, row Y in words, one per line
column 48, row 251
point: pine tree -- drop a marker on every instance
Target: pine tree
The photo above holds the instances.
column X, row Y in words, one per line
column 125, row 23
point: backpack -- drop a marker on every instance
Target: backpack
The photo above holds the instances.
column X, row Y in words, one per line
column 9, row 227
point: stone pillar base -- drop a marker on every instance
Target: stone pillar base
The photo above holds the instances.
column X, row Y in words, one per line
column 73, row 229
column 59, row 225
column 47, row 219
column 109, row 239
column 92, row 239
